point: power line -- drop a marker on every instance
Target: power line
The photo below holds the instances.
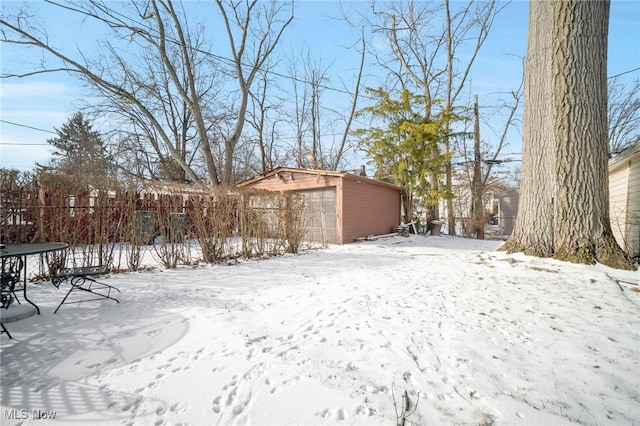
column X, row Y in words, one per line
column 28, row 127
column 229, row 62
column 23, row 144
column 624, row 72
column 224, row 61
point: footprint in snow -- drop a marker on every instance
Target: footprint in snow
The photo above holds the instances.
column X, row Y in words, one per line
column 216, row 405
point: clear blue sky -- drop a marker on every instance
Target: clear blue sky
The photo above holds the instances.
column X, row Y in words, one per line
column 45, row 102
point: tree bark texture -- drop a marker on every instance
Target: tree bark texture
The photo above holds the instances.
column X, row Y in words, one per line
column 533, row 231
column 579, row 64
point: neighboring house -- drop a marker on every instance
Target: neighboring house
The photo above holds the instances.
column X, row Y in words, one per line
column 342, row 206
column 462, row 202
column 461, row 208
column 624, row 198
column 507, row 210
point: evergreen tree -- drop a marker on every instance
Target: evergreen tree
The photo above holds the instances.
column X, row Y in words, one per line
column 407, row 147
column 79, row 150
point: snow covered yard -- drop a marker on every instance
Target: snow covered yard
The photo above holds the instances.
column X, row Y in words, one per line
column 335, row 336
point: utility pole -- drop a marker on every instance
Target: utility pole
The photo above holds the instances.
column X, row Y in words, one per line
column 477, row 209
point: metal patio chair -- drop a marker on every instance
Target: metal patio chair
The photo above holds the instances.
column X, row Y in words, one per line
column 85, row 278
column 10, row 276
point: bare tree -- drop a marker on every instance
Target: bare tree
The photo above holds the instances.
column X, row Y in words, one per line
column 162, row 83
column 455, row 34
column 158, row 30
column 337, row 157
column 313, row 122
column 316, row 80
column 623, row 115
column 481, row 168
column 266, row 117
column 253, row 30
column 259, row 120
column 308, row 78
column 153, row 84
column 428, row 54
column 301, row 108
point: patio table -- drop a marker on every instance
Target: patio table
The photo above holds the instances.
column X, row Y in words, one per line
column 25, row 249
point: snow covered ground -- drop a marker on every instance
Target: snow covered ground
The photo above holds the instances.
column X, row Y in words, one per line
column 337, row 336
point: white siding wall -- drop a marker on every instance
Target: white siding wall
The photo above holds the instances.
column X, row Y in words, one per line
column 507, row 211
column 633, row 214
column 618, row 180
column 624, row 203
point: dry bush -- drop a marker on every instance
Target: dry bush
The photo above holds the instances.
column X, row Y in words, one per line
column 136, row 231
column 254, row 229
column 171, row 247
column 180, row 224
column 19, row 206
column 213, row 222
column 295, row 226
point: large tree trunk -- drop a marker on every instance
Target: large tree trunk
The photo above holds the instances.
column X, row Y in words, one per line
column 579, row 63
column 564, row 199
column 533, row 231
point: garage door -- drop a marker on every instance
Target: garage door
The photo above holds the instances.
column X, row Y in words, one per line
column 321, row 214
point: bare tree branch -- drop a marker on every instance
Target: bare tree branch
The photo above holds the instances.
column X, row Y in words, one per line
column 623, row 115
column 264, row 36
column 354, row 106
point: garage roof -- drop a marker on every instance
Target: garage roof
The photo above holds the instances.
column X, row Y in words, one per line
column 344, row 175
